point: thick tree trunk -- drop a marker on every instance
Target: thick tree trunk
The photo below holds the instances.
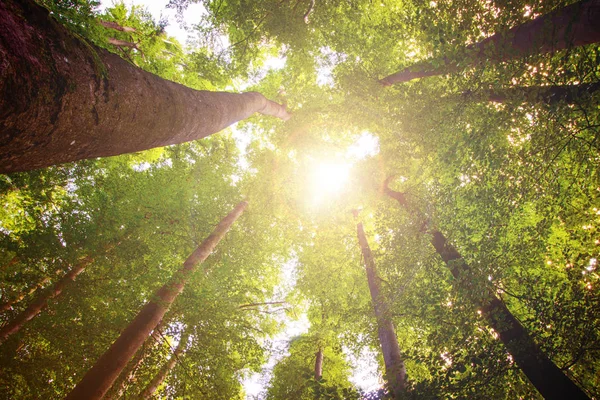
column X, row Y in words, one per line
column 101, row 376
column 547, row 378
column 164, row 371
column 572, row 26
column 42, row 300
column 394, row 365
column 8, row 305
column 62, row 99
column 319, row 364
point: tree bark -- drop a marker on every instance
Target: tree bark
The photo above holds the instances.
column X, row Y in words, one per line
column 127, row 376
column 547, row 378
column 62, row 99
column 571, row 26
column 164, row 371
column 319, row 364
column 42, row 300
column 121, row 43
column 117, row 27
column 394, row 365
column 101, row 376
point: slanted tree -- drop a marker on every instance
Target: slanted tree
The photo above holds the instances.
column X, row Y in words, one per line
column 128, row 374
column 102, row 375
column 42, row 300
column 571, row 26
column 160, row 376
column 548, row 379
column 64, row 99
column 395, row 371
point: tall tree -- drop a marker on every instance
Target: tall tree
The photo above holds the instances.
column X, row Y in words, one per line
column 570, row 26
column 41, row 301
column 101, row 376
column 166, row 368
column 65, row 100
column 128, row 374
column 394, row 365
column 549, row 380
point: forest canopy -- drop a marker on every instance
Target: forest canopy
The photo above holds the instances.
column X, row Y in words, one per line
column 416, row 182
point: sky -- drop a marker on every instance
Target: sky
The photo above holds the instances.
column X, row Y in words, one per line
column 365, row 374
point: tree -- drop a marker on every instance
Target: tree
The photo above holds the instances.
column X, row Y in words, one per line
column 90, row 103
column 571, row 26
column 42, row 300
column 99, row 379
column 293, row 376
column 394, row 365
column 166, row 368
column 548, row 379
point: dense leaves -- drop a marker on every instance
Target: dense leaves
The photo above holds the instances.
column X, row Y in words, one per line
column 513, row 185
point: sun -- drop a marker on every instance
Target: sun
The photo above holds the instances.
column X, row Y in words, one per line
column 328, row 179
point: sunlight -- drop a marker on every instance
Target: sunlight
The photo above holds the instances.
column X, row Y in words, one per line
column 328, row 179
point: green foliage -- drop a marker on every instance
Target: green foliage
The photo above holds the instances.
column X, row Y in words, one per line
column 513, row 185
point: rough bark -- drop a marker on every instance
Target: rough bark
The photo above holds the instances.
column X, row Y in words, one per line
column 42, row 300
column 101, row 376
column 394, row 365
column 547, row 378
column 571, row 26
column 165, row 369
column 319, row 364
column 62, row 99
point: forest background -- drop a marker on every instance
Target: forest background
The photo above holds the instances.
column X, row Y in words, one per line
column 509, row 177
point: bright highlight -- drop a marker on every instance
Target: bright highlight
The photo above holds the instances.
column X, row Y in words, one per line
column 328, row 179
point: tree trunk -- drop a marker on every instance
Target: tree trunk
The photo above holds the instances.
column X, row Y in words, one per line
column 547, row 378
column 9, row 264
column 101, row 376
column 127, row 376
column 62, row 99
column 164, row 371
column 394, row 365
column 319, row 364
column 8, row 305
column 42, row 300
column 571, row 26
column 117, row 27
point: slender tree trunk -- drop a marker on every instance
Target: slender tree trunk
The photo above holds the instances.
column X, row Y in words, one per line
column 319, row 364
column 571, row 26
column 9, row 264
column 62, row 99
column 42, row 300
column 8, row 305
column 547, row 378
column 127, row 376
column 394, row 365
column 117, row 27
column 101, row 376
column 122, row 43
column 164, row 371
